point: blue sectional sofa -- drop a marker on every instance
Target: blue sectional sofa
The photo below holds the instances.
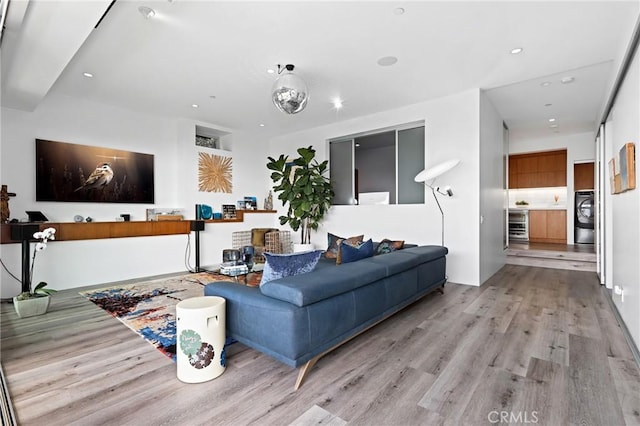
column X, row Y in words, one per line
column 298, row 319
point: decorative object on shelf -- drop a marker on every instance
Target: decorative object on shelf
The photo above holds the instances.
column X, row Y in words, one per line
column 268, row 202
column 126, row 217
column 36, row 300
column 88, row 219
column 215, row 173
column 212, row 142
column 556, row 197
column 289, row 92
column 250, row 203
column 81, row 173
column 78, row 218
column 228, row 211
column 164, row 214
column 622, row 170
column 428, row 178
column 203, row 212
column 302, row 185
column 5, row 213
column 522, row 203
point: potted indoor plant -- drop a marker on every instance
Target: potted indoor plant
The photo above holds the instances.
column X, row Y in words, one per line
column 36, row 300
column 301, row 183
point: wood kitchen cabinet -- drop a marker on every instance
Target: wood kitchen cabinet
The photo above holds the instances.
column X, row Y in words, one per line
column 583, row 176
column 548, row 226
column 538, row 170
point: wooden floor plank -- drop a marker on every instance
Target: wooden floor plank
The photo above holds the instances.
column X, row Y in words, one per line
column 530, row 340
column 589, row 373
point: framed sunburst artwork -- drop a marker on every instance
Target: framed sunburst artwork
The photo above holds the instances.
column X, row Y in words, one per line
column 215, row 173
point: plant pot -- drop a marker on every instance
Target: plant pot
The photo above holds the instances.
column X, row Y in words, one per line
column 299, row 248
column 31, row 307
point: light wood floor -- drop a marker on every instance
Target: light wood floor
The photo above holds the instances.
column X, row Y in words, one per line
column 532, row 344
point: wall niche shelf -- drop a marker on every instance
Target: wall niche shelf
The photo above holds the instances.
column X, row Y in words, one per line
column 72, row 231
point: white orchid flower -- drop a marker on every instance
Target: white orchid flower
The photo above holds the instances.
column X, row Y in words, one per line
column 41, row 246
column 38, row 235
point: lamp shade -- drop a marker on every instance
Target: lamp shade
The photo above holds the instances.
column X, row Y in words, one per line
column 435, row 171
column 289, row 93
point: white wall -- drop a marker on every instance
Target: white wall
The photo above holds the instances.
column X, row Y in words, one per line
column 491, row 246
column 625, row 207
column 580, row 147
column 451, row 131
column 78, row 263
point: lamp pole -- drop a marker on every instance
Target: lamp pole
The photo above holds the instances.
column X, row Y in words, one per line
column 433, row 191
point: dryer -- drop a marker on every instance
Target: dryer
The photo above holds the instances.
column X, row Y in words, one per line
column 584, row 215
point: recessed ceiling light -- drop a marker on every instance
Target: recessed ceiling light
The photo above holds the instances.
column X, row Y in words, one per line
column 548, row 105
column 545, row 83
column 387, row 61
column 194, row 105
column 212, row 96
column 516, row 50
column 147, row 12
column 398, row 11
column 551, row 120
column 567, row 80
column 553, row 126
column 87, row 74
column 261, row 124
column 271, row 71
column 357, row 145
column 337, row 103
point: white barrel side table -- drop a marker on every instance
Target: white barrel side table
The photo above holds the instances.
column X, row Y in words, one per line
column 200, row 338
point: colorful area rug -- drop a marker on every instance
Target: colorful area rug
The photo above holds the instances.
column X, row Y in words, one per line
column 149, row 308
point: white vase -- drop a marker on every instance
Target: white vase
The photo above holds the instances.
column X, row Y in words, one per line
column 31, row 307
column 299, row 248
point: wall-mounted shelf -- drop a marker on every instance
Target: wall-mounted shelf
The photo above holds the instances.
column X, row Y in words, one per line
column 71, row 231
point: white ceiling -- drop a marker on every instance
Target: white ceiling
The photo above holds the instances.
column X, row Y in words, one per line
column 192, row 50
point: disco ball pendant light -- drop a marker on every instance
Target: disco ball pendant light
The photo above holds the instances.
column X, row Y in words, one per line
column 289, row 92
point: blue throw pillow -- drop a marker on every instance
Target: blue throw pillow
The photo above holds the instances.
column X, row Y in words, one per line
column 350, row 252
column 387, row 246
column 286, row 265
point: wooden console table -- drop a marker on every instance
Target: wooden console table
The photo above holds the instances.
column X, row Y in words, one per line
column 70, row 231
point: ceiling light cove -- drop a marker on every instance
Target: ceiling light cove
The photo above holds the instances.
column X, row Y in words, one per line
column 87, row 74
column 516, row 50
column 387, row 61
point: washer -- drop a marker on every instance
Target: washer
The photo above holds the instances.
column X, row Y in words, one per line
column 584, row 217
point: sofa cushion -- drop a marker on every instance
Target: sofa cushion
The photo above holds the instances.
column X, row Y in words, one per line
column 333, row 244
column 387, row 246
column 351, row 252
column 325, row 282
column 285, row 265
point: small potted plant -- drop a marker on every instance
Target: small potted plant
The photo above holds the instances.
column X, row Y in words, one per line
column 301, row 183
column 36, row 300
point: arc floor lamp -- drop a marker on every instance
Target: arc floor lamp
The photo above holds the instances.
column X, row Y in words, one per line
column 428, row 178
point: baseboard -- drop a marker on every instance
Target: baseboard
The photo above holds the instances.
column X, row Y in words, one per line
column 623, row 326
column 6, row 408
